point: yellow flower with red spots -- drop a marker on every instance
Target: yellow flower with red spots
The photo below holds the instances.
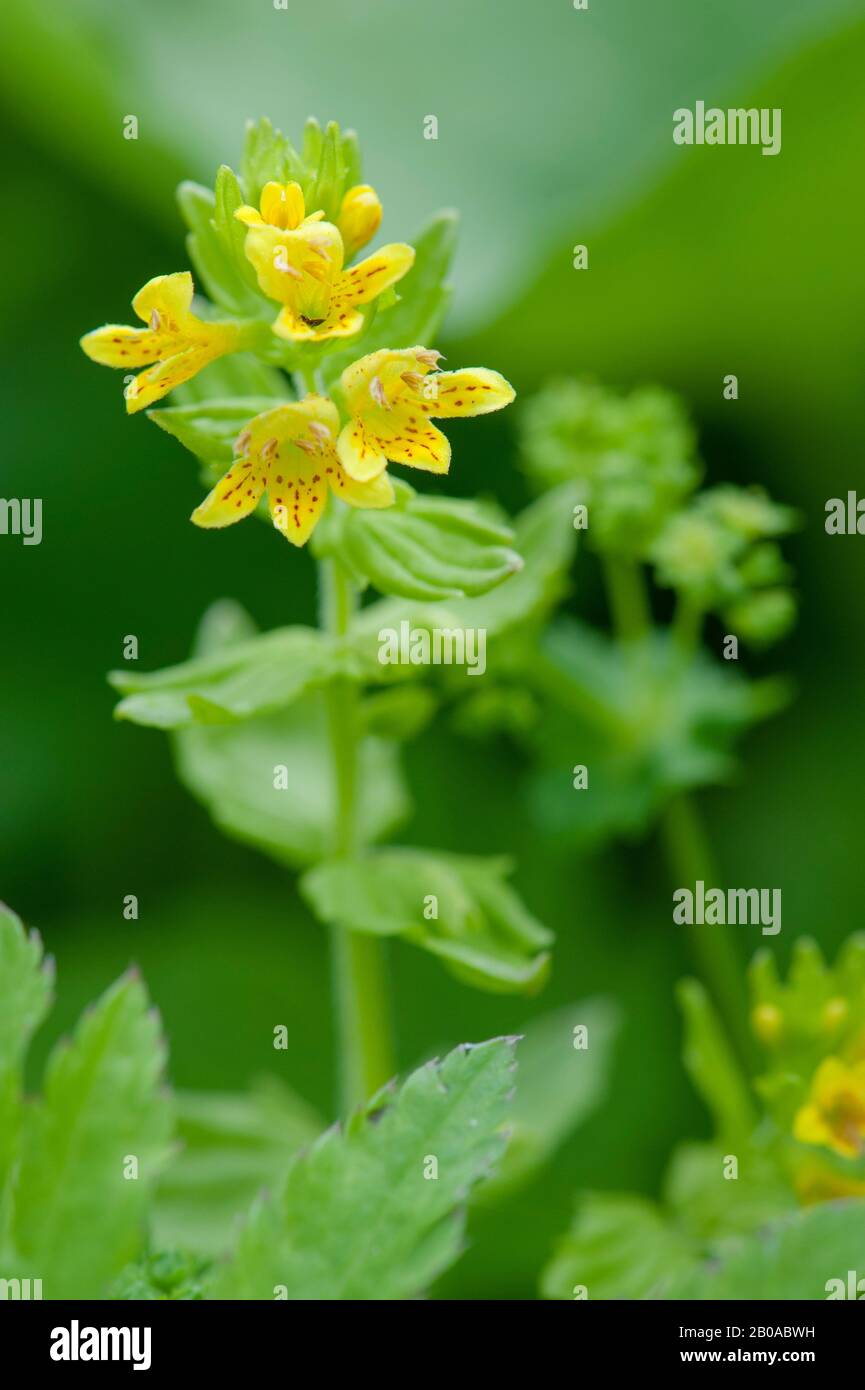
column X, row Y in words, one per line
column 299, row 262
column 393, row 397
column 174, row 346
column 834, row 1114
column 289, row 453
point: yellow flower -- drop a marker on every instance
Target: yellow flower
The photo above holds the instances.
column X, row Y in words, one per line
column 834, row 1115
column 299, row 263
column 176, row 343
column 289, row 452
column 392, row 399
column 359, row 218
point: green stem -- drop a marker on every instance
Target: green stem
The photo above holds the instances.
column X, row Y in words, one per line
column 626, row 594
column 360, row 984
column 714, row 950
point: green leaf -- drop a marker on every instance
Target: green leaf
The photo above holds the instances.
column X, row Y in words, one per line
column 268, row 156
column 429, row 548
column 215, row 265
column 228, row 198
column 233, row 1146
column 712, row 1067
column 619, row 1246
column 209, row 430
column 558, row 1085
column 644, row 722
column 423, row 300
column 795, row 1259
column 169, row 1276
column 458, row 908
column 78, row 1216
column 263, row 674
column 356, row 1217
column 25, row 997
column 231, row 770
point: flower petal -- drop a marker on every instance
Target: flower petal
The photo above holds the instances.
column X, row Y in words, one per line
column 296, row 509
column 359, row 452
column 161, row 378
column 414, row 441
column 471, row 391
column 169, row 295
column 118, row 346
column 364, row 281
column 297, row 330
column 377, row 493
column 233, row 498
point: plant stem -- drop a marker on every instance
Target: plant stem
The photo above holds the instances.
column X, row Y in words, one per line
column 714, row 950
column 626, row 593
column 360, row 987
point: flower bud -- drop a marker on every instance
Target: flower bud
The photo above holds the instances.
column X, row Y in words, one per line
column 359, row 217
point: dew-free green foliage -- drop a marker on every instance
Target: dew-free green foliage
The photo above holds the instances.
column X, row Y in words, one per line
column 458, row 908
column 72, row 1217
column 356, row 1217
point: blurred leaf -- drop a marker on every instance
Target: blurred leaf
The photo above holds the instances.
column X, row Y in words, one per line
column 78, row 1218
column 233, row 1148
column 620, row 1246
column 399, row 714
column 171, row 1275
column 209, row 430
column 713, row 1206
column 456, row 907
column 231, row 770
column 794, row 1259
column 558, row 1085
column 643, row 720
column 712, row 1067
column 258, row 676
column 358, row 1217
column 25, row 997
column 429, row 547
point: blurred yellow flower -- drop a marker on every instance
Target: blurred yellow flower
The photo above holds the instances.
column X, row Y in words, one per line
column 289, row 453
column 176, row 343
column 299, row 263
column 392, row 399
column 834, row 1115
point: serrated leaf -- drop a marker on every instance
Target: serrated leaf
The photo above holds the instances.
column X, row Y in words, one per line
column 258, row 676
column 209, row 429
column 25, row 997
column 558, row 1085
column 619, row 1246
column 804, row 1256
column 429, row 548
column 456, row 907
column 78, row 1219
column 357, row 1218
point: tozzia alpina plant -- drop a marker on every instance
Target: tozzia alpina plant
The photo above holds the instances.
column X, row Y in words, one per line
column 335, row 380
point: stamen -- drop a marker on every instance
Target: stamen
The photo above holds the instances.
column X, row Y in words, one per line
column 320, row 431
column 242, row 441
column 376, row 390
column 307, row 445
column 412, row 379
column 281, row 262
column 430, row 357
column 155, row 321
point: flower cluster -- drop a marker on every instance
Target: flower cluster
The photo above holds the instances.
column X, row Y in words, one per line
column 812, row 1028
column 285, row 235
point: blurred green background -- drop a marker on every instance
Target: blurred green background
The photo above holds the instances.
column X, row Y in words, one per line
column 554, row 128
